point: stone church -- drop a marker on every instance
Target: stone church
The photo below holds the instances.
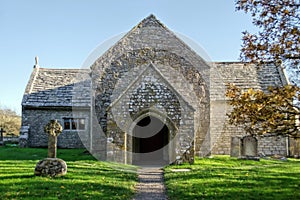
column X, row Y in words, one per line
column 149, row 98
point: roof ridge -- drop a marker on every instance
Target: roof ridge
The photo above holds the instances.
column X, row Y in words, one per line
column 151, row 20
column 77, row 69
column 36, row 73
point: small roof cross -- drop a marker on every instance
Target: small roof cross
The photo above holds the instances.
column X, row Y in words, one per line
column 36, row 62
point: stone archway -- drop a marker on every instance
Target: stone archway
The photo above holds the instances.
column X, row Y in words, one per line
column 150, row 137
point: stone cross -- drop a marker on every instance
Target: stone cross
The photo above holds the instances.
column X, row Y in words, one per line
column 53, row 129
column 36, row 62
column 1, row 133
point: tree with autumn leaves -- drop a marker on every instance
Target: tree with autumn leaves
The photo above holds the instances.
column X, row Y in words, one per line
column 279, row 37
column 260, row 113
column 278, row 41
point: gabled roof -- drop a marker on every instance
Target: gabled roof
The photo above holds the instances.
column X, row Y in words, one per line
column 150, row 33
column 58, row 88
column 72, row 87
column 245, row 76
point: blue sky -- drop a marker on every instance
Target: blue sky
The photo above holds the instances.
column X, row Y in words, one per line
column 64, row 32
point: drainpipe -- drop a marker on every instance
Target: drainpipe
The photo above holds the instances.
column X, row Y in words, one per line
column 125, row 149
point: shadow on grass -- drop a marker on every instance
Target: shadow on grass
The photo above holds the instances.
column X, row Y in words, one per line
column 16, row 153
column 98, row 182
column 86, row 178
column 44, row 188
column 224, row 178
column 17, row 176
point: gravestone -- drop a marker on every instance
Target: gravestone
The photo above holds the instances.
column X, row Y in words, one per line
column 1, row 136
column 51, row 166
column 235, row 150
column 23, row 139
column 295, row 147
column 244, row 147
column 249, row 146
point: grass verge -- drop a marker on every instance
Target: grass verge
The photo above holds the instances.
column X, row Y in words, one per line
column 228, row 178
column 87, row 178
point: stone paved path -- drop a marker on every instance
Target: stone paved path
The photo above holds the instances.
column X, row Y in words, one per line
column 151, row 185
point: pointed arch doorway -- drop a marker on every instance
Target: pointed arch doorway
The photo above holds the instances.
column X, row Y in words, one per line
column 149, row 143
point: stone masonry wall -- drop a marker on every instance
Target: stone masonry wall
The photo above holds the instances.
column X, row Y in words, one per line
column 185, row 80
column 245, row 76
column 272, row 146
column 150, row 41
column 37, row 119
column 151, row 94
column 150, row 34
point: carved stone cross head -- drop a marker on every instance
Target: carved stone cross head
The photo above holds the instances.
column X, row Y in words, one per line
column 53, row 128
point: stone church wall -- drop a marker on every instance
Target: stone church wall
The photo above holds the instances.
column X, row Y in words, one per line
column 151, row 95
column 222, row 132
column 36, row 120
column 182, row 79
column 152, row 42
column 177, row 75
column 244, row 76
column 275, row 145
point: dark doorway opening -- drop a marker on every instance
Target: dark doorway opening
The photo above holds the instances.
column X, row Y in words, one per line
column 150, row 135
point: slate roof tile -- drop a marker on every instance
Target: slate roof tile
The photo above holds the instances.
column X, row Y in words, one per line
column 58, row 88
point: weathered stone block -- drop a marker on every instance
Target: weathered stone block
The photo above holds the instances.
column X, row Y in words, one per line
column 235, row 150
column 52, row 167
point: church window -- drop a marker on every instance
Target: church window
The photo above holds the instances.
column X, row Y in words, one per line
column 74, row 123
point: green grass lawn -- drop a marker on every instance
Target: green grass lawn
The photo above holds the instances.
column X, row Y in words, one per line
column 222, row 177
column 87, row 178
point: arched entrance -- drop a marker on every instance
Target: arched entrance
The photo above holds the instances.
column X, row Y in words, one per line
column 150, row 136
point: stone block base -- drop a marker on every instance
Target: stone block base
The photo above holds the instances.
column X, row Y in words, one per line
column 51, row 167
column 256, row 158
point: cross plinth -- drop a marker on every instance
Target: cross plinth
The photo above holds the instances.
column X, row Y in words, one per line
column 51, row 166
